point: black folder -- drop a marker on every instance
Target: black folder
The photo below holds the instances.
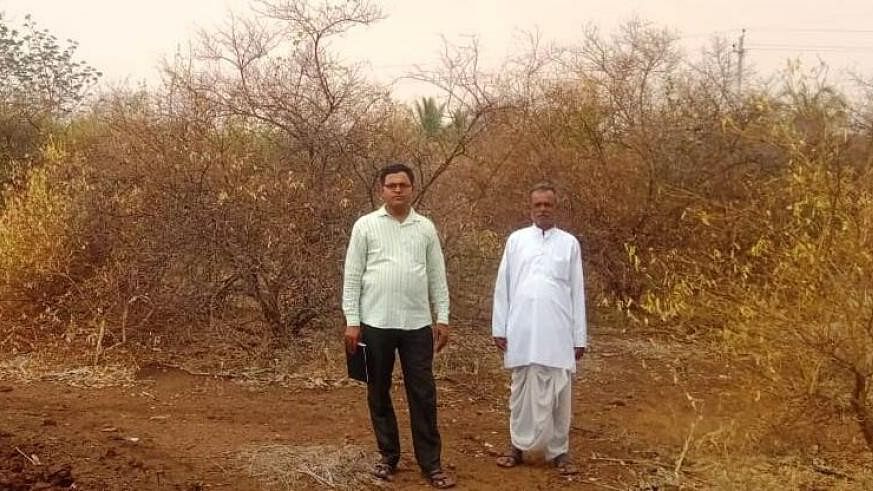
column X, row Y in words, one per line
column 357, row 363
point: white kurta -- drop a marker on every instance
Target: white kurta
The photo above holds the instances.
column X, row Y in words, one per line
column 539, row 299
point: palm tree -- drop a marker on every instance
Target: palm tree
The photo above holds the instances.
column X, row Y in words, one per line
column 460, row 120
column 430, row 116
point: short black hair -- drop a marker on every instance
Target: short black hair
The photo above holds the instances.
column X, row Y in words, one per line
column 543, row 186
column 394, row 169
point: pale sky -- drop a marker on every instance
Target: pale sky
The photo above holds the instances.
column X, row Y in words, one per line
column 126, row 39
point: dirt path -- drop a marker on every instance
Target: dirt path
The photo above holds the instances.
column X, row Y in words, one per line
column 174, row 430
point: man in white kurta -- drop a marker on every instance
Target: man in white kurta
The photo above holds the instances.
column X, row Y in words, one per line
column 538, row 321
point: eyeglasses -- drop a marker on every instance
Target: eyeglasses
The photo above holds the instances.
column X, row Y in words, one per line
column 401, row 186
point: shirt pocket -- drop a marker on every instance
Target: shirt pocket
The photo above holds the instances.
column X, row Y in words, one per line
column 415, row 248
column 560, row 268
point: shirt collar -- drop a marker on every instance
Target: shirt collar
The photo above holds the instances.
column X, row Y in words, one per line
column 548, row 233
column 412, row 217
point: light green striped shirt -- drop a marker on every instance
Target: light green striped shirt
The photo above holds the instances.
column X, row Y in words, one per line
column 393, row 272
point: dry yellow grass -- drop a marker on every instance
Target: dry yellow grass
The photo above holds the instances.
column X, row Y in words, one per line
column 306, row 466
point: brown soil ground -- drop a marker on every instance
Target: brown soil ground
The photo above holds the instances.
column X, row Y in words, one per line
column 647, row 415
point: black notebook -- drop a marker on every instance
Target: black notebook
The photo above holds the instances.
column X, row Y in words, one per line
column 357, row 363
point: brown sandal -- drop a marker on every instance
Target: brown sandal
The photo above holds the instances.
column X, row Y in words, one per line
column 510, row 459
column 564, row 465
column 440, row 480
column 384, row 470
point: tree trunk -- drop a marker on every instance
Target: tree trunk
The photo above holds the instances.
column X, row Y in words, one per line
column 268, row 301
column 862, row 411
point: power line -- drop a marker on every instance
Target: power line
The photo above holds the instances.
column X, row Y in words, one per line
column 810, row 46
column 810, row 49
column 776, row 30
column 709, row 34
column 832, row 30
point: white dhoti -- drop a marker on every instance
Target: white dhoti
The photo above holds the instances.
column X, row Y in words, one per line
column 539, row 405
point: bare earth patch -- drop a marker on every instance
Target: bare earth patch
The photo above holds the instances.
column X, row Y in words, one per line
column 648, row 415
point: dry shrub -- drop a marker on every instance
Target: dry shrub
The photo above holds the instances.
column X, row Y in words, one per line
column 43, row 237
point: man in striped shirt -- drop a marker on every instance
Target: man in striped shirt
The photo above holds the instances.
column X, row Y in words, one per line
column 394, row 271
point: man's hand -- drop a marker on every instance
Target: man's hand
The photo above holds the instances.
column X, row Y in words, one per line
column 500, row 343
column 440, row 337
column 352, row 335
column 579, row 351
